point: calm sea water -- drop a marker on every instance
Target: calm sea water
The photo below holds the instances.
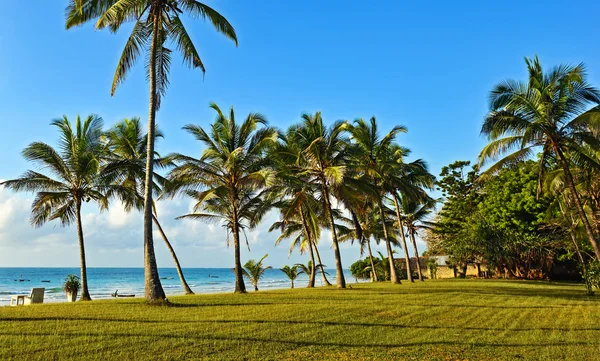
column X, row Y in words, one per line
column 104, row 281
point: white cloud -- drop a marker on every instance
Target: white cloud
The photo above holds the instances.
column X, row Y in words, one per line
column 118, row 217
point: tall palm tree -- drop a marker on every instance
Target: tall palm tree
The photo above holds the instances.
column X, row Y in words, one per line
column 291, row 272
column 372, row 159
column 156, row 23
column 407, row 181
column 227, row 181
column 546, row 113
column 295, row 197
column 415, row 216
column 324, row 163
column 72, row 178
column 362, row 221
column 126, row 161
column 255, row 270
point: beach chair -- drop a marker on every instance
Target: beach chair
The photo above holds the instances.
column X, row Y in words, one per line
column 36, row 296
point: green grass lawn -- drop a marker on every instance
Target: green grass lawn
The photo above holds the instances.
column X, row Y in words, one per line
column 433, row 320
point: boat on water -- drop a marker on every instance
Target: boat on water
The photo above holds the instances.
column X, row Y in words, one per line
column 116, row 294
column 21, row 279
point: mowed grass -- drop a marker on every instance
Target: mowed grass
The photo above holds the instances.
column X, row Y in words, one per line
column 433, row 320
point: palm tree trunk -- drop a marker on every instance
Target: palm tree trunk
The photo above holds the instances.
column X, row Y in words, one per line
column 313, row 269
column 292, row 283
column 255, row 287
column 186, row 288
column 373, row 270
column 588, row 286
column 414, row 242
column 240, row 287
column 311, row 277
column 325, row 280
column 575, row 196
column 393, row 274
column 85, row 294
column 339, row 271
column 153, row 291
column 404, row 245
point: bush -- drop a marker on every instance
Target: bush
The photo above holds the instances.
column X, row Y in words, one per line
column 361, row 269
column 71, row 284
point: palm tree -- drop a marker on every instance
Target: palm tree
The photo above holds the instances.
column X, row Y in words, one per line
column 363, row 224
column 308, row 269
column 72, row 178
column 296, row 231
column 226, row 181
column 255, row 270
column 291, row 272
column 155, row 23
column 324, row 163
column 126, row 167
column 415, row 216
column 373, row 160
column 300, row 210
column 546, row 113
column 407, row 181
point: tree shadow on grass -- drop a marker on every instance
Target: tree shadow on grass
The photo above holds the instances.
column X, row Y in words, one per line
column 298, row 343
column 293, row 322
column 569, row 295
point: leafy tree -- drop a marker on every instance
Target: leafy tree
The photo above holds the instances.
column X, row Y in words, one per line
column 501, row 221
column 156, row 24
column 291, row 272
column 510, row 199
column 254, row 271
column 545, row 113
column 460, row 190
column 227, row 181
column 126, row 162
column 361, row 268
column 72, row 177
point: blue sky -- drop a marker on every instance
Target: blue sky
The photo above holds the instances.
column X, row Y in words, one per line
column 427, row 65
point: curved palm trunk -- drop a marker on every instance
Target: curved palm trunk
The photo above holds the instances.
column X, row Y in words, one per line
column 393, row 274
column 571, row 219
column 414, row 242
column 339, row 271
column 153, row 291
column 311, row 277
column 373, row 270
column 85, row 294
column 575, row 196
column 292, row 283
column 404, row 245
column 323, row 277
column 186, row 288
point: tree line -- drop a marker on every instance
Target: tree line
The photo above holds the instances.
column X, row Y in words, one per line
column 315, row 176
column 537, row 202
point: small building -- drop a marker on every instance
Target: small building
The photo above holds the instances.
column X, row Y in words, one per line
column 445, row 269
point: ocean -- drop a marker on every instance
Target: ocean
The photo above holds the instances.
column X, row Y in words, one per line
column 104, row 281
